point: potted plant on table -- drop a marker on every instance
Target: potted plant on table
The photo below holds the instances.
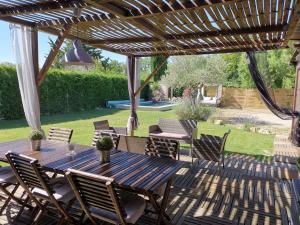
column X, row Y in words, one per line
column 35, row 138
column 104, row 145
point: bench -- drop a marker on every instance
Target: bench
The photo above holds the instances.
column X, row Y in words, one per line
column 181, row 130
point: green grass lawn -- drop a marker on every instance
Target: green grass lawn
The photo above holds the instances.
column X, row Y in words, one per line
column 82, row 123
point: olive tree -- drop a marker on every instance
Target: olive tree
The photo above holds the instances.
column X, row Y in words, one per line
column 193, row 71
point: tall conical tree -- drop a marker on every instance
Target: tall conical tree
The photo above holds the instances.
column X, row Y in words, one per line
column 155, row 62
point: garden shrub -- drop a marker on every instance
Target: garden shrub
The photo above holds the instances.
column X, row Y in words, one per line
column 188, row 109
column 63, row 91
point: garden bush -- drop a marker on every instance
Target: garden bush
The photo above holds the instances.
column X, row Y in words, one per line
column 188, row 109
column 63, row 91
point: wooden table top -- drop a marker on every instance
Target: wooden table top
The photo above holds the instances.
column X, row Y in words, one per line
column 50, row 150
column 130, row 170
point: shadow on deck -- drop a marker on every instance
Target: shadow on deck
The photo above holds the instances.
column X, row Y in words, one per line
column 247, row 191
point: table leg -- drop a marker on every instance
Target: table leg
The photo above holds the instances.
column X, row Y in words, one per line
column 161, row 209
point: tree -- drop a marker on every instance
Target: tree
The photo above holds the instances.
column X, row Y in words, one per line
column 190, row 71
column 155, row 62
column 273, row 65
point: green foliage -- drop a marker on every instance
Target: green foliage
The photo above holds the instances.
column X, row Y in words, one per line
column 247, row 126
column 177, row 92
column 104, row 143
column 188, row 109
column 36, row 135
column 155, row 62
column 190, row 71
column 273, row 65
column 63, row 91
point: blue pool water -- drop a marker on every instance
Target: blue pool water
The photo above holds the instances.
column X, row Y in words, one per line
column 144, row 105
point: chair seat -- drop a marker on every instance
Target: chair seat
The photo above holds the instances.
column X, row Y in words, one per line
column 7, row 176
column 61, row 187
column 170, row 135
column 133, row 205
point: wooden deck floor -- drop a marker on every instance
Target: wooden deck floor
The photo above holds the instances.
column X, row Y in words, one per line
column 247, row 191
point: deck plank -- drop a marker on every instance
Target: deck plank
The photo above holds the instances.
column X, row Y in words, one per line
column 247, row 191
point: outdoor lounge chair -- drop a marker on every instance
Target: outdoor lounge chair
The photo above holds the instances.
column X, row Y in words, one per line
column 103, row 126
column 210, row 148
column 60, row 134
column 108, row 205
column 41, row 189
column 181, row 130
column 114, row 137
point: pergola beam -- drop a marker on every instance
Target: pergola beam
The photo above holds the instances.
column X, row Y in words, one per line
column 52, row 54
column 293, row 23
column 217, row 51
column 212, row 34
column 41, row 7
column 122, row 13
column 151, row 76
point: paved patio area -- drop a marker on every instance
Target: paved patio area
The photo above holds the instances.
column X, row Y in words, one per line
column 247, row 191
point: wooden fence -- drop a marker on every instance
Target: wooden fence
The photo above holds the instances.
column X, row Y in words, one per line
column 250, row 98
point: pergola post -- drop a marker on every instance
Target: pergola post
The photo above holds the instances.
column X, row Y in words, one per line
column 131, row 72
column 296, row 102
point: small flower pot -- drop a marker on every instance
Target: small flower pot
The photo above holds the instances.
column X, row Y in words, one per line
column 35, row 145
column 104, row 156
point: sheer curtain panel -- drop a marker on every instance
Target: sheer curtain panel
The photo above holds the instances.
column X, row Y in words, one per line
column 22, row 50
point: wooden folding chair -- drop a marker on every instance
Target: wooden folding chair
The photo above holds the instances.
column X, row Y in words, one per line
column 60, row 134
column 41, row 189
column 211, row 148
column 103, row 126
column 114, row 137
column 107, row 205
column 162, row 147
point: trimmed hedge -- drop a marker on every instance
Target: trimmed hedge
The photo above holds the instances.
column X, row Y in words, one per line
column 63, row 91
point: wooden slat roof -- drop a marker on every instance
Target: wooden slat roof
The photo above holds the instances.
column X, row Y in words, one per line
column 151, row 27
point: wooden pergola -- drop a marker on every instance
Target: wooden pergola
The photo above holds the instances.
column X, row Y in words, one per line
column 155, row 27
column 137, row 28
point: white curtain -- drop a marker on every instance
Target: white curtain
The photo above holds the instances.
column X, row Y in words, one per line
column 22, row 49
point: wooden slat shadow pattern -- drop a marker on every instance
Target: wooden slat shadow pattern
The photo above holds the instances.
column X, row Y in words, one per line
column 247, row 191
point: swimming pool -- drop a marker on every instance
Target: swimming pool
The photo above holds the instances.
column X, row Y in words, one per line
column 143, row 105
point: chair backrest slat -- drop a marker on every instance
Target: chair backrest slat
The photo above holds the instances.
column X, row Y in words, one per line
column 95, row 191
column 210, row 147
column 162, row 147
column 101, row 125
column 22, row 166
column 114, row 137
column 134, row 144
column 60, row 134
column 177, row 126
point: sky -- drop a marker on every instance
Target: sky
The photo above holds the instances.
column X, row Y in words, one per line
column 6, row 54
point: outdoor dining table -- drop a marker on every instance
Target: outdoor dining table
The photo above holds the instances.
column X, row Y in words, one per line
column 131, row 171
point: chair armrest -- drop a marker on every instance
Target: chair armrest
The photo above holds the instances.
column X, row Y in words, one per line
column 153, row 128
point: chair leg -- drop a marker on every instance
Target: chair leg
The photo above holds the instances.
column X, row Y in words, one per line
column 8, row 198
column 22, row 207
column 11, row 196
column 38, row 217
